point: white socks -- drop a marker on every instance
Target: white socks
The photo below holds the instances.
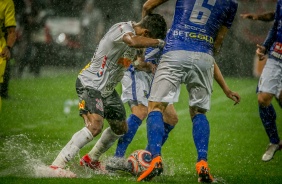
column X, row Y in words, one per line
column 78, row 140
column 106, row 140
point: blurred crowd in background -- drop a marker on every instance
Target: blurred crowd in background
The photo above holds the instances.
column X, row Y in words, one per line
column 65, row 33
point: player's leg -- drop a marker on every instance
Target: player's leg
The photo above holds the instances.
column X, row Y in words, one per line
column 93, row 118
column 199, row 103
column 170, row 120
column 115, row 115
column 269, row 84
column 268, row 117
column 279, row 98
column 135, row 88
column 162, row 93
column 139, row 113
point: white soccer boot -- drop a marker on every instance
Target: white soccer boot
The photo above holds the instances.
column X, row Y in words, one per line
column 271, row 150
column 61, row 173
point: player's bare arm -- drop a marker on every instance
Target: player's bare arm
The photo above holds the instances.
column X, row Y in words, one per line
column 219, row 39
column 261, row 51
column 150, row 5
column 221, row 82
column 141, row 41
column 266, row 16
column 11, row 38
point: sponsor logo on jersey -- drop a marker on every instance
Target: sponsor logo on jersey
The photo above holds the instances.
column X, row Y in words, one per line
column 102, row 68
column 125, row 62
column 81, row 105
column 127, row 58
column 193, row 35
column 278, row 47
column 99, row 104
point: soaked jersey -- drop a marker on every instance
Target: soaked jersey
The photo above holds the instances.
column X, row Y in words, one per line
column 111, row 59
column 196, row 23
column 273, row 42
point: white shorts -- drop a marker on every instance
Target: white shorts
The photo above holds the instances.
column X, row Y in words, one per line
column 271, row 78
column 136, row 87
column 194, row 69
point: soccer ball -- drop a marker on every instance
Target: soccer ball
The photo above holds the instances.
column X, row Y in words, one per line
column 139, row 161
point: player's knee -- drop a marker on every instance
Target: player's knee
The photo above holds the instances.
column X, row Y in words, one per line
column 264, row 100
column 196, row 110
column 141, row 114
column 118, row 127
column 172, row 119
column 95, row 127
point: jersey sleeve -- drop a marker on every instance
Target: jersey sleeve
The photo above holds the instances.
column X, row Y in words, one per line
column 10, row 19
column 271, row 36
column 122, row 29
column 153, row 55
column 231, row 16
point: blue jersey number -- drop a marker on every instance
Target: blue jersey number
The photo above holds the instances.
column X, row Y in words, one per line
column 201, row 14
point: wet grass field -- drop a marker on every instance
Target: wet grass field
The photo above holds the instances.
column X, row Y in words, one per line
column 41, row 115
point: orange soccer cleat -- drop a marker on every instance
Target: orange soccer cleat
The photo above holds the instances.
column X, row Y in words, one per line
column 155, row 169
column 204, row 172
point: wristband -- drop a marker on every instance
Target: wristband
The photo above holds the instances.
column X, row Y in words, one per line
column 136, row 63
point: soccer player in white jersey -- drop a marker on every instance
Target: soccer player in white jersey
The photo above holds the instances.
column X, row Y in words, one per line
column 196, row 34
column 96, row 84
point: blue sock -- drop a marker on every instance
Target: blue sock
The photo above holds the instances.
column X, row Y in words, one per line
column 133, row 123
column 155, row 132
column 201, row 134
column 167, row 129
column 268, row 117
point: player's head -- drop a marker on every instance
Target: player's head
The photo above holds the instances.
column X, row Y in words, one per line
column 155, row 26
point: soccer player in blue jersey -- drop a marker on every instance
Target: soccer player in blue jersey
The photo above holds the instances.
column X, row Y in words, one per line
column 270, row 82
column 196, row 34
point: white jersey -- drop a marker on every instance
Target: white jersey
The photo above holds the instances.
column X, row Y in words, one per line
column 111, row 59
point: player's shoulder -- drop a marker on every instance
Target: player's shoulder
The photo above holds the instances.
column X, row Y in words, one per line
column 122, row 25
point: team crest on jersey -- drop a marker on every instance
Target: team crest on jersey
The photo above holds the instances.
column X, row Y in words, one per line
column 99, row 104
column 146, row 94
column 81, row 105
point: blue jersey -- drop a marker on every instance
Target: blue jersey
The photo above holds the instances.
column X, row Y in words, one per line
column 273, row 42
column 196, row 24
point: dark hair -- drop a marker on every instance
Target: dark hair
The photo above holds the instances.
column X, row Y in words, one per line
column 156, row 25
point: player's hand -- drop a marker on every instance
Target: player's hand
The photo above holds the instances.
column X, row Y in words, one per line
column 249, row 16
column 153, row 67
column 161, row 43
column 234, row 96
column 261, row 52
column 6, row 54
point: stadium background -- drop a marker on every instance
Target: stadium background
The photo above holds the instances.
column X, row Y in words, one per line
column 236, row 58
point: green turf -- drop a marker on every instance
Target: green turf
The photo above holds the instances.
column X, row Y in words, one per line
column 34, row 127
